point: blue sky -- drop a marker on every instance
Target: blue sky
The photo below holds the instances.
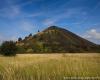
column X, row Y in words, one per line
column 19, row 18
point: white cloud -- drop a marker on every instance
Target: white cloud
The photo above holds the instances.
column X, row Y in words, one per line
column 49, row 22
column 93, row 35
column 26, row 26
column 25, row 15
column 66, row 14
column 6, row 38
column 95, row 7
column 10, row 13
column 13, row 11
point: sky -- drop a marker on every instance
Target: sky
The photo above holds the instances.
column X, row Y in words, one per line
column 19, row 18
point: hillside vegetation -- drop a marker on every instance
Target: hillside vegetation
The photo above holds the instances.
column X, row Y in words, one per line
column 55, row 39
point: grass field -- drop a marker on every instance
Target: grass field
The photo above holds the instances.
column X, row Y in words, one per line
column 49, row 66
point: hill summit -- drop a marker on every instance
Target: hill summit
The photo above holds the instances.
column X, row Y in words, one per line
column 55, row 39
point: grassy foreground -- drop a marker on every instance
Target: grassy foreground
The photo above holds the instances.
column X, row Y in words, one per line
column 49, row 66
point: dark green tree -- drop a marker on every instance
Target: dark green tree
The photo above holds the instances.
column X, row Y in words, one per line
column 8, row 48
column 30, row 34
column 38, row 30
column 20, row 39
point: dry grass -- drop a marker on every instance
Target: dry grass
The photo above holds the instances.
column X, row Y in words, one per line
column 49, row 66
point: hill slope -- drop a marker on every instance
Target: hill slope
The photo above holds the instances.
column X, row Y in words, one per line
column 56, row 39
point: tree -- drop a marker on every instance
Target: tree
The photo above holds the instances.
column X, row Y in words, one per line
column 8, row 48
column 20, row 39
column 26, row 37
column 30, row 34
column 38, row 30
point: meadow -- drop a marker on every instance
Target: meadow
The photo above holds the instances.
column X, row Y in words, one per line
column 49, row 66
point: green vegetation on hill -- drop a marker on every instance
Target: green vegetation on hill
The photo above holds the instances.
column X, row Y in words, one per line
column 55, row 39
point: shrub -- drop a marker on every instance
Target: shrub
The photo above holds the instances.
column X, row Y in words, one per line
column 20, row 39
column 8, row 48
column 30, row 34
column 21, row 49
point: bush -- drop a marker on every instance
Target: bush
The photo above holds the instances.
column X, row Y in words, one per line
column 20, row 39
column 8, row 48
column 21, row 49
